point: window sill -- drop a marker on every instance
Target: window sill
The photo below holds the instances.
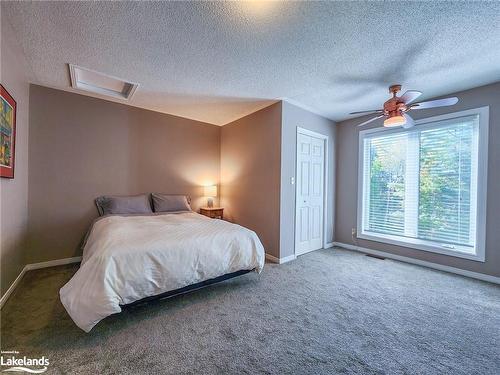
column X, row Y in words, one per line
column 417, row 244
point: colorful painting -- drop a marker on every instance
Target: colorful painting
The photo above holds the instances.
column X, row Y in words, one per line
column 7, row 133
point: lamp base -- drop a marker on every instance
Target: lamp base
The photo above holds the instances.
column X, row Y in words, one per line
column 210, row 202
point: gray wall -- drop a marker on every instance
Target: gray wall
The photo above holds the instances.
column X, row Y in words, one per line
column 347, row 181
column 250, row 174
column 81, row 147
column 294, row 117
column 14, row 192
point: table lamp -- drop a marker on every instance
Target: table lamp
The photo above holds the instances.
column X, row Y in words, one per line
column 211, row 193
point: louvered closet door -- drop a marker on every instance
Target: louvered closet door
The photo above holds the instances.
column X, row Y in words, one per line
column 310, row 182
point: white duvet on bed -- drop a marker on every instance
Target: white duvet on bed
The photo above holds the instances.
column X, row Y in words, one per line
column 127, row 258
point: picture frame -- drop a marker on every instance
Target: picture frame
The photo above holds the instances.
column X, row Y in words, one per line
column 8, row 108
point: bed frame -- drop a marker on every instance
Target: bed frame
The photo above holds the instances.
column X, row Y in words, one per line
column 189, row 288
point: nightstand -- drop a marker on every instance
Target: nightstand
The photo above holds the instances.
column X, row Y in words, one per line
column 213, row 212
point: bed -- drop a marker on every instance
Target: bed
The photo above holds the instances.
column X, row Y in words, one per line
column 131, row 258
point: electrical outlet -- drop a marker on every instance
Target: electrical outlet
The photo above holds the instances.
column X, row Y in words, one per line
column 353, row 232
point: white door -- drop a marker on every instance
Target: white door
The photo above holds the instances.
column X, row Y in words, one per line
column 309, row 199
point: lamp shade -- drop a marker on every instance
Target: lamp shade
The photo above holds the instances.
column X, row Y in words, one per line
column 210, row 191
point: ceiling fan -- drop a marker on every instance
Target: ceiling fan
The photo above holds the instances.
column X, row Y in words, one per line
column 396, row 107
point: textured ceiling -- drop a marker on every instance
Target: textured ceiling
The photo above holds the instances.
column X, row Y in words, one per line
column 217, row 61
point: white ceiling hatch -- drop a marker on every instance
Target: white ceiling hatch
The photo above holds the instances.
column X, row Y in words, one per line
column 100, row 83
column 217, row 61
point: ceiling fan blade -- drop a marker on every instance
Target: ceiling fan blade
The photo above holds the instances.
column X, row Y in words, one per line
column 410, row 123
column 370, row 120
column 435, row 103
column 410, row 96
column 367, row 112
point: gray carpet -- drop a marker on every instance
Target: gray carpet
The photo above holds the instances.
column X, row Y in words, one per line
column 331, row 311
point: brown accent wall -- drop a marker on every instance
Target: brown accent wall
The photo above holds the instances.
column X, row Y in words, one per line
column 14, row 192
column 347, row 183
column 250, row 174
column 82, row 147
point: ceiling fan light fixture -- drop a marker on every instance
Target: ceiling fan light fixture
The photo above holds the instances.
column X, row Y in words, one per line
column 395, row 109
column 394, row 121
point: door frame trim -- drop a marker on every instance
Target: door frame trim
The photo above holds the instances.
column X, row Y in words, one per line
column 325, row 139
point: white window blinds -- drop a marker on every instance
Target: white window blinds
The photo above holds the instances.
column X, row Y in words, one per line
column 448, row 184
column 385, row 159
column 421, row 184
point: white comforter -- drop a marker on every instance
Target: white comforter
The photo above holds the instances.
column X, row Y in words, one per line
column 127, row 258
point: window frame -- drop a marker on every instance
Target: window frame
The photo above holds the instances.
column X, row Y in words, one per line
column 482, row 167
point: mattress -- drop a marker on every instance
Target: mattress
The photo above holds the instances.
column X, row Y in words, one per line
column 128, row 258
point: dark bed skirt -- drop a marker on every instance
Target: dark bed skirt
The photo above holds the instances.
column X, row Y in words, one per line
column 189, row 288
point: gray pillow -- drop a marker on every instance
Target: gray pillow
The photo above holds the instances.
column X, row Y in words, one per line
column 170, row 203
column 132, row 204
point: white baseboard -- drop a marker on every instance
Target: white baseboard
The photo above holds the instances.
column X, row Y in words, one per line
column 12, row 286
column 52, row 263
column 35, row 266
column 440, row 267
column 289, row 258
column 273, row 259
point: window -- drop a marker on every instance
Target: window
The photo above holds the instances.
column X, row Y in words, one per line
column 425, row 187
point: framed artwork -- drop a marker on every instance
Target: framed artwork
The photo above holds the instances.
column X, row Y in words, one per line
column 7, row 133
